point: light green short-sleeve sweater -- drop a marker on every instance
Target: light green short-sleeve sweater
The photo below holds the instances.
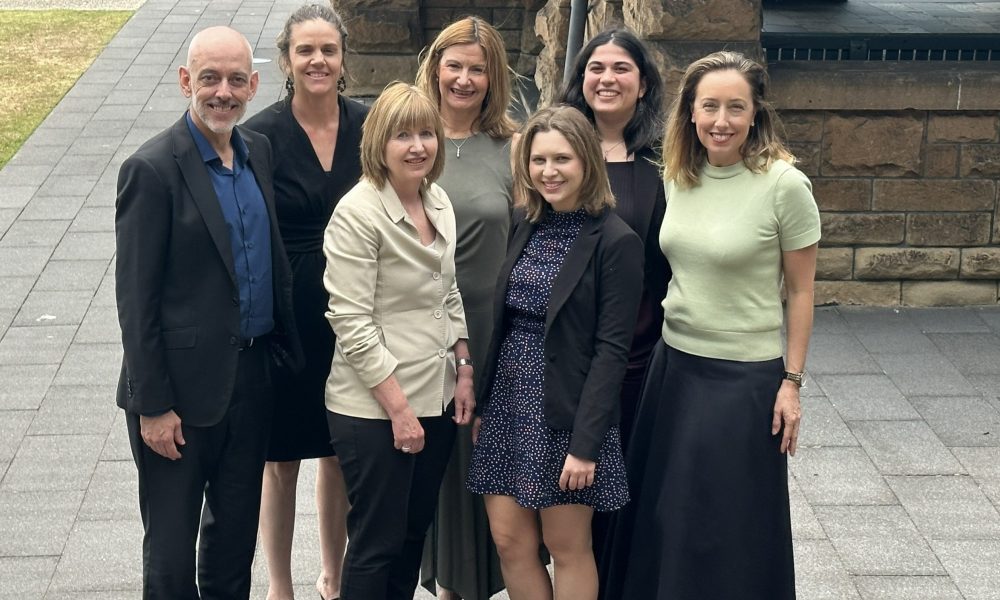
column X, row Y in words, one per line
column 724, row 239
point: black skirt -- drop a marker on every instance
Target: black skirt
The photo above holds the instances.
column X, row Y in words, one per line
column 709, row 516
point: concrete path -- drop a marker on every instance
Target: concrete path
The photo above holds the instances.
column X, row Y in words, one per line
column 895, row 491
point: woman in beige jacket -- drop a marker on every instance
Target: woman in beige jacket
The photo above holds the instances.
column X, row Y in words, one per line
column 401, row 375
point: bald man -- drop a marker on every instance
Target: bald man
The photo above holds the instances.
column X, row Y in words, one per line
column 204, row 303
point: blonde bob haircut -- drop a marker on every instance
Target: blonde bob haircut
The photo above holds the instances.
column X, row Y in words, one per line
column 595, row 191
column 400, row 107
column 493, row 118
column 683, row 153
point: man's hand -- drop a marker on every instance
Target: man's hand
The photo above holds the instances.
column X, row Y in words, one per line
column 163, row 434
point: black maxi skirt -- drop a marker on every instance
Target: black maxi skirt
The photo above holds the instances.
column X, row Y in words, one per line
column 709, row 516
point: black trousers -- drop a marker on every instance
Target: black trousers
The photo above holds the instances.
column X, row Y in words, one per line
column 393, row 498
column 214, row 490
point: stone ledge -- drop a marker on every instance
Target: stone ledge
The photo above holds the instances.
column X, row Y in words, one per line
column 906, row 263
column 882, row 86
column 949, row 293
column 868, row 293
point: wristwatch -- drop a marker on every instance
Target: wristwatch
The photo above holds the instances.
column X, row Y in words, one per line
column 798, row 379
column 463, row 362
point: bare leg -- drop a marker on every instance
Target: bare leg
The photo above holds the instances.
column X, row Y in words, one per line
column 331, row 506
column 277, row 524
column 566, row 530
column 516, row 535
column 444, row 594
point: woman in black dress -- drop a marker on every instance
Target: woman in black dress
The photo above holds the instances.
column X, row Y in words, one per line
column 315, row 133
column 617, row 86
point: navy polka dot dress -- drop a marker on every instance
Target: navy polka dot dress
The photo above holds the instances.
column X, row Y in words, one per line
column 517, row 454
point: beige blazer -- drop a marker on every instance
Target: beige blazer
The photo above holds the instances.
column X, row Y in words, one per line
column 394, row 303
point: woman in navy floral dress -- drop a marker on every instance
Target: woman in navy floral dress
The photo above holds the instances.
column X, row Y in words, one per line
column 565, row 310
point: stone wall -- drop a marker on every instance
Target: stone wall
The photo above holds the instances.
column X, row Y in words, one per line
column 387, row 36
column 905, row 165
column 904, row 158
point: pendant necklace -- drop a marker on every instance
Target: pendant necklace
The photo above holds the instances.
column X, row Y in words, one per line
column 608, row 151
column 458, row 147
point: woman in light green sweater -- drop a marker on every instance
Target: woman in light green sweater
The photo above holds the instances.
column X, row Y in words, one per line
column 720, row 409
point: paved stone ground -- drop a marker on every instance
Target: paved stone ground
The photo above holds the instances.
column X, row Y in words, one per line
column 895, row 492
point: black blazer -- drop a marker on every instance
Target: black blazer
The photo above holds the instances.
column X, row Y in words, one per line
column 588, row 328
column 178, row 299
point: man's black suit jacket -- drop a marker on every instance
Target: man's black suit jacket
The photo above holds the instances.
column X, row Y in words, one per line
column 178, row 299
column 589, row 323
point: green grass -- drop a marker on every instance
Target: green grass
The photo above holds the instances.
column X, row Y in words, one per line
column 42, row 53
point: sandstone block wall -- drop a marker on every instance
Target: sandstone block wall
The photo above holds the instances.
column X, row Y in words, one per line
column 910, row 203
column 904, row 158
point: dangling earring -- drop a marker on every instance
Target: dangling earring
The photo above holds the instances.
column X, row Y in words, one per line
column 341, row 85
column 289, row 86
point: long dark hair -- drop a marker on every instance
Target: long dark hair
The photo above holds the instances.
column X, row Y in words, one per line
column 646, row 125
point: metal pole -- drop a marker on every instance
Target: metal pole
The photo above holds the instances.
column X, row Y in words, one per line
column 577, row 23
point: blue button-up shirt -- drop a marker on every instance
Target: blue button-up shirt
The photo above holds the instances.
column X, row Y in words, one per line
column 249, row 228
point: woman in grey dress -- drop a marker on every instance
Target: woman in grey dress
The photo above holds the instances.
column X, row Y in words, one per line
column 465, row 71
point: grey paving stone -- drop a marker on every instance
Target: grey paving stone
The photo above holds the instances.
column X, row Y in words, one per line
column 24, row 385
column 126, row 98
column 822, row 425
column 977, row 353
column 116, row 447
column 94, row 219
column 101, row 595
column 972, row 566
column 166, row 113
column 35, row 345
column 48, row 309
column 53, row 463
column 36, row 523
column 76, row 410
column 107, row 78
column 988, row 386
column 100, row 325
column 984, row 466
column 100, row 555
column 7, row 217
column 843, row 476
column 13, row 290
column 103, row 145
column 865, row 318
column 48, row 207
column 17, row 196
column 13, row 175
column 80, row 165
column 6, row 316
column 72, row 275
column 13, row 425
column 113, row 494
column 964, row 421
column 805, row 526
column 905, row 448
column 947, row 507
column 90, row 364
column 878, row 540
column 33, row 153
column 924, row 374
column 900, row 341
column 947, row 320
column 85, row 246
column 38, row 234
column 907, row 588
column 26, row 576
column 79, row 104
column 119, row 111
column 866, row 397
column 839, row 353
column 52, row 135
column 819, row 574
column 106, row 292
column 990, row 316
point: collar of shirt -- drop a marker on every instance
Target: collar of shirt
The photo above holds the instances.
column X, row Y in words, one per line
column 208, row 153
